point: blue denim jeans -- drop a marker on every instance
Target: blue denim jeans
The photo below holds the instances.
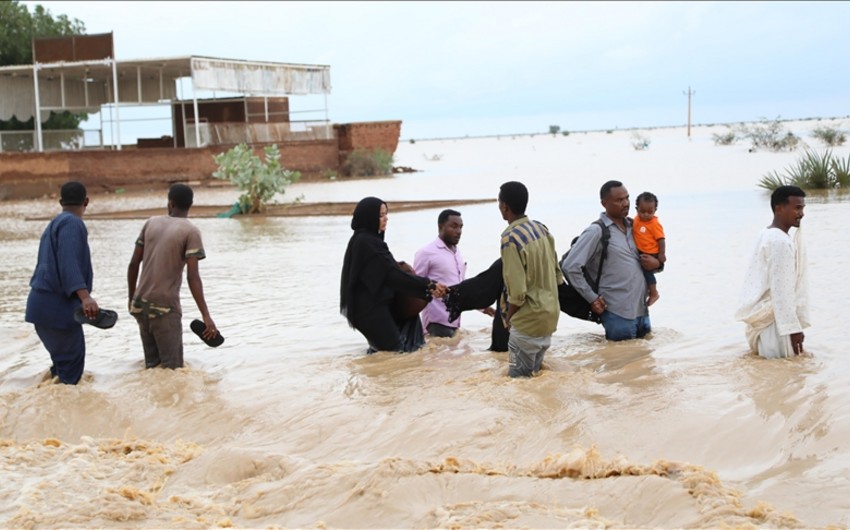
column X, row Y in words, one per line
column 619, row 328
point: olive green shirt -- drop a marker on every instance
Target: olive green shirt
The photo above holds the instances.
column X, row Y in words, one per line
column 532, row 275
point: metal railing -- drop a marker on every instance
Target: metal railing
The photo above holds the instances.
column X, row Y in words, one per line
column 64, row 140
column 255, row 133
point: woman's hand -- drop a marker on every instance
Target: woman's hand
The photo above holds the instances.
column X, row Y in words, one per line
column 439, row 290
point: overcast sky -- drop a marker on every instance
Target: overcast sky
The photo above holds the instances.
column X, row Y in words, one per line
column 478, row 68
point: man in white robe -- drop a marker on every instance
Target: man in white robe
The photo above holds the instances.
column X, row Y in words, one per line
column 774, row 303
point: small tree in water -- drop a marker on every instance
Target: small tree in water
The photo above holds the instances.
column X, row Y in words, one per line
column 259, row 180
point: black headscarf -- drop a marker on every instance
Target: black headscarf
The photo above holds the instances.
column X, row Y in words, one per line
column 367, row 216
column 366, row 243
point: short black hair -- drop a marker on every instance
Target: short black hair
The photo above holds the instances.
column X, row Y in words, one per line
column 606, row 188
column 780, row 195
column 444, row 216
column 72, row 193
column 648, row 197
column 181, row 195
column 515, row 195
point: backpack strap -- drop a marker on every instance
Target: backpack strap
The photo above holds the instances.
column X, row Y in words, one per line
column 606, row 235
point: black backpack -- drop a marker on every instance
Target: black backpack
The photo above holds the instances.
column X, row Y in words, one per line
column 572, row 303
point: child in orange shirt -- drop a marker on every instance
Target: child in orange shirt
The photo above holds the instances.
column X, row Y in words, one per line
column 649, row 238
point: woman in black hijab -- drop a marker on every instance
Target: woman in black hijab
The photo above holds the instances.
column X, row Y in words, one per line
column 372, row 281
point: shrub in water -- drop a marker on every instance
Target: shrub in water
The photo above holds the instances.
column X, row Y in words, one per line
column 841, row 172
column 767, row 134
column 366, row 163
column 728, row 138
column 640, row 142
column 259, row 180
column 831, row 136
column 812, row 171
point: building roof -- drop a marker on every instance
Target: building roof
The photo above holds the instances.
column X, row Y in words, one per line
column 84, row 86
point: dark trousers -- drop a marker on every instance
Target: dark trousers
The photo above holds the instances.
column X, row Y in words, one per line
column 385, row 333
column 440, row 330
column 481, row 291
column 67, row 348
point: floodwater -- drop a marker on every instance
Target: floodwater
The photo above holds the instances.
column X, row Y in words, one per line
column 290, row 424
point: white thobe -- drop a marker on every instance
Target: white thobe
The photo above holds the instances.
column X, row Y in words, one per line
column 774, row 301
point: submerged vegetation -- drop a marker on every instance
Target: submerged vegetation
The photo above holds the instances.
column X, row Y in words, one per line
column 812, row 171
column 258, row 179
column 768, row 134
column 640, row 142
column 367, row 163
column 831, row 136
column 727, row 138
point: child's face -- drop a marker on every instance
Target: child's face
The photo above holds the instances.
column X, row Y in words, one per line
column 646, row 210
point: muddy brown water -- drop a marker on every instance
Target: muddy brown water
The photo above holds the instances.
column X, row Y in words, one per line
column 290, row 424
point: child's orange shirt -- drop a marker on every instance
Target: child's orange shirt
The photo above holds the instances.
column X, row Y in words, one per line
column 647, row 234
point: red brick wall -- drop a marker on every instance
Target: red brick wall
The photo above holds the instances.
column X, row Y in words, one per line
column 26, row 175
column 367, row 135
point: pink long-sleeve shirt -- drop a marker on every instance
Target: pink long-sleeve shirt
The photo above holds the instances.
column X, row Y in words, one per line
column 443, row 264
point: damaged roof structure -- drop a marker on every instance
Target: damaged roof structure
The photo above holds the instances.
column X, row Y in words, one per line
column 80, row 74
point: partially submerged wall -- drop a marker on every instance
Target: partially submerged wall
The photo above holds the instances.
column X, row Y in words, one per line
column 367, row 135
column 27, row 175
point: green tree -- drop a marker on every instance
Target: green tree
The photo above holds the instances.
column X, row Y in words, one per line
column 19, row 28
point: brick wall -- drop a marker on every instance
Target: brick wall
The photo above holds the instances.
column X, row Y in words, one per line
column 367, row 135
column 26, row 175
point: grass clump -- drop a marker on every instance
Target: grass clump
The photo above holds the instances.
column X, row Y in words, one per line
column 831, row 136
column 728, row 138
column 367, row 163
column 812, row 171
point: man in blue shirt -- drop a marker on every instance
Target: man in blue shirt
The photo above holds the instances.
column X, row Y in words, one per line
column 61, row 283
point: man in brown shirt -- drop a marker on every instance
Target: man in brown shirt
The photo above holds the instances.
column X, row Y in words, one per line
column 166, row 245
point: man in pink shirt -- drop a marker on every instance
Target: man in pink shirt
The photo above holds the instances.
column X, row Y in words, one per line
column 441, row 261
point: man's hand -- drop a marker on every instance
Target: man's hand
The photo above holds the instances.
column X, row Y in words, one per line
column 211, row 330
column 489, row 311
column 649, row 263
column 797, row 342
column 90, row 308
column 598, row 306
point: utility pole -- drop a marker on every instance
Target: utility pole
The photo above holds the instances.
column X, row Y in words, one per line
column 689, row 93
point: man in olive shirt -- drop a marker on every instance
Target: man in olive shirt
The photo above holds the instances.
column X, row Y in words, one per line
column 531, row 274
